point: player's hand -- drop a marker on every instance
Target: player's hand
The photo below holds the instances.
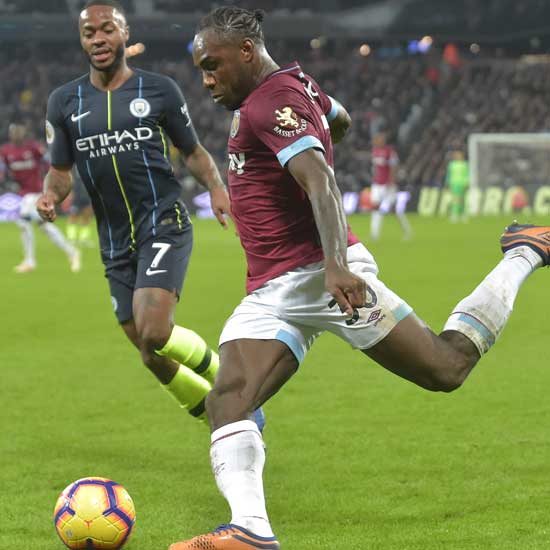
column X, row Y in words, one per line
column 337, row 133
column 135, row 49
column 348, row 290
column 220, row 205
column 45, row 206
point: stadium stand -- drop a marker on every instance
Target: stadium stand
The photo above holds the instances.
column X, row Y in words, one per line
column 429, row 100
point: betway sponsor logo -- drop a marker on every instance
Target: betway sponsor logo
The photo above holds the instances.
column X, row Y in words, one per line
column 111, row 143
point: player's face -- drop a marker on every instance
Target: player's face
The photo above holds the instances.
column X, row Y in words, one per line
column 225, row 66
column 16, row 132
column 103, row 35
column 379, row 140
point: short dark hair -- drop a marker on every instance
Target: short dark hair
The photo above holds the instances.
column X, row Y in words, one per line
column 112, row 3
column 232, row 21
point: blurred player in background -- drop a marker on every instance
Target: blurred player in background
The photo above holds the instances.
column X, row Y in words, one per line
column 79, row 221
column 24, row 161
column 114, row 124
column 303, row 260
column 458, row 179
column 384, row 191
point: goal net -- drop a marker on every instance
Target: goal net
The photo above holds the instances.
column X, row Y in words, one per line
column 509, row 173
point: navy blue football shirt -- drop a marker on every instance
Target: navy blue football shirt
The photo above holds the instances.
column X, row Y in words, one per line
column 118, row 140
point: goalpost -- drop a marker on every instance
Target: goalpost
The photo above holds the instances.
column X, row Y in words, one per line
column 509, row 173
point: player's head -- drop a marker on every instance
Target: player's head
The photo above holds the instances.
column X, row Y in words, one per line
column 17, row 131
column 457, row 154
column 103, row 33
column 379, row 139
column 229, row 49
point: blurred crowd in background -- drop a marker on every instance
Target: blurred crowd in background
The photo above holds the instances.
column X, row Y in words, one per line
column 428, row 103
column 428, row 96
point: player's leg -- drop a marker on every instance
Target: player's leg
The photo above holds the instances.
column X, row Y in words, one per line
column 259, row 352
column 251, row 371
column 463, row 214
column 162, row 264
column 27, row 240
column 56, row 236
column 457, row 202
column 28, row 214
column 441, row 363
column 187, row 387
column 437, row 363
column 85, row 225
column 153, row 314
column 377, row 196
column 71, row 230
column 401, row 200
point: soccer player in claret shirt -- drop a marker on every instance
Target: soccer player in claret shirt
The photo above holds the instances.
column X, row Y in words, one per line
column 307, row 273
column 384, row 191
column 24, row 161
column 114, row 124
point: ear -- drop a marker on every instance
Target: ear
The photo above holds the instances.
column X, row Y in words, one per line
column 127, row 32
column 248, row 49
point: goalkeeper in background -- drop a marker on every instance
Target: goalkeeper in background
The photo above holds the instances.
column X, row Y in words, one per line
column 457, row 179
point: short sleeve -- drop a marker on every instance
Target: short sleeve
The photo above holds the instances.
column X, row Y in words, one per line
column 286, row 123
column 177, row 120
column 330, row 107
column 393, row 158
column 57, row 137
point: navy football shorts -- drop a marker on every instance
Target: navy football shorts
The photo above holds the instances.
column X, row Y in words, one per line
column 160, row 262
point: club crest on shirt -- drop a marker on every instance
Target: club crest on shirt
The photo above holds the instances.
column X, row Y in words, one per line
column 50, row 133
column 287, row 118
column 235, row 123
column 289, row 124
column 140, row 107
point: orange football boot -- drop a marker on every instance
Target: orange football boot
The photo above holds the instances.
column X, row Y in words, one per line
column 536, row 237
column 228, row 537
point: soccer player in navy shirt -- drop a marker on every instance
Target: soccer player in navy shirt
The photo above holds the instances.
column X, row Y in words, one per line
column 114, row 124
column 303, row 261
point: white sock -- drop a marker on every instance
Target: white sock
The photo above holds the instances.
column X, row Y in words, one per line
column 237, row 456
column 375, row 224
column 405, row 225
column 27, row 238
column 57, row 238
column 481, row 316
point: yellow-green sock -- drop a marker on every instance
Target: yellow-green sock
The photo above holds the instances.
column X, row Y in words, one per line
column 189, row 349
column 85, row 233
column 72, row 230
column 190, row 391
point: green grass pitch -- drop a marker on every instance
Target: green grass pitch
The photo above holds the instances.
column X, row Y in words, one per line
column 358, row 459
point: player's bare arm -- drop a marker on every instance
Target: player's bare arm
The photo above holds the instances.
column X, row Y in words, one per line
column 340, row 124
column 313, row 174
column 57, row 185
column 202, row 167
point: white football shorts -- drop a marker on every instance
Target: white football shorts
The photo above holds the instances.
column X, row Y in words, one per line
column 294, row 308
column 27, row 210
column 383, row 194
